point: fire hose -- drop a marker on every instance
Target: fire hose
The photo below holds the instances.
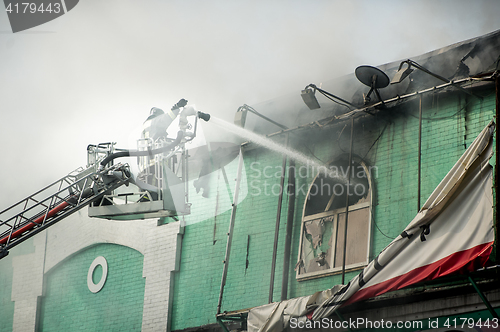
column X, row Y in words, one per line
column 136, row 153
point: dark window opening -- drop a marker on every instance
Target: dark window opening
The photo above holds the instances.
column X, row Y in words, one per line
column 323, row 223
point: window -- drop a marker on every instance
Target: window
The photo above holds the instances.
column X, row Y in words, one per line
column 321, row 247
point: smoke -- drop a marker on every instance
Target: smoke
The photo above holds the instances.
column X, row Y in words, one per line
column 93, row 74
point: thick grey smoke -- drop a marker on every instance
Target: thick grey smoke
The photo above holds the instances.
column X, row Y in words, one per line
column 93, row 74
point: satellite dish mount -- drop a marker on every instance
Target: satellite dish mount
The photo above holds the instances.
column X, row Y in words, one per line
column 374, row 78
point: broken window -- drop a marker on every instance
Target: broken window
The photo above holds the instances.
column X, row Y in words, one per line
column 321, row 248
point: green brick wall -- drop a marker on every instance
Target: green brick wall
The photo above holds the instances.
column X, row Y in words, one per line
column 388, row 141
column 68, row 304
column 204, row 247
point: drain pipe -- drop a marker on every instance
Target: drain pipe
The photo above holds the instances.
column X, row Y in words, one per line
column 241, row 122
column 289, row 229
column 347, row 203
column 419, row 152
column 497, row 161
column 277, row 226
column 230, row 232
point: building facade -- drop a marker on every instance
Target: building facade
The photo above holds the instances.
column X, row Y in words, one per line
column 385, row 153
column 266, row 229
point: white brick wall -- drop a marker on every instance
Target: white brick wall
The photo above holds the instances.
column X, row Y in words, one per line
column 158, row 244
column 27, row 285
column 159, row 262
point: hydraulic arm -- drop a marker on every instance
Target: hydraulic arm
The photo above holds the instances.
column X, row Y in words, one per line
column 94, row 185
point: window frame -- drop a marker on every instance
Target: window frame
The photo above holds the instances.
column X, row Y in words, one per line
column 336, row 213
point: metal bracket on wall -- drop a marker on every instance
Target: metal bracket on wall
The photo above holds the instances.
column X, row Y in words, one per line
column 483, row 298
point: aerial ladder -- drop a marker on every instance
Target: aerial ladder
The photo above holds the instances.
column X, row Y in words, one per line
column 96, row 187
column 57, row 201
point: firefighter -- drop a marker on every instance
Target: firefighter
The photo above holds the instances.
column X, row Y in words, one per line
column 157, row 123
column 155, row 128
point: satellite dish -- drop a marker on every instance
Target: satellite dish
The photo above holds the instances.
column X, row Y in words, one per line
column 372, row 77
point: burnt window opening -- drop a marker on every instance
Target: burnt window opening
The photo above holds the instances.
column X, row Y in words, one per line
column 323, row 221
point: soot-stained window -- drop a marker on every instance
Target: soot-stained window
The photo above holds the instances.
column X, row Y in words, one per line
column 321, row 250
